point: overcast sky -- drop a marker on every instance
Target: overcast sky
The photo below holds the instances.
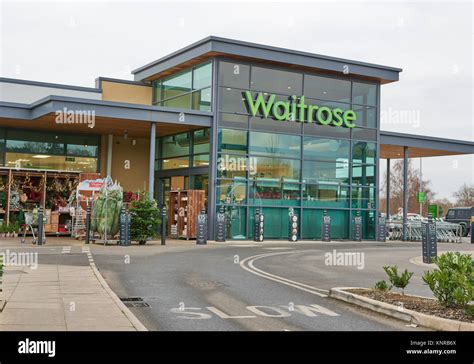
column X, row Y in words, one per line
column 73, row 43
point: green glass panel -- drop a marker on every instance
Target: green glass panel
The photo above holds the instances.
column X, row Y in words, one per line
column 175, row 145
column 180, row 102
column 364, row 152
column 311, row 227
column 175, row 163
column 365, row 116
column 316, row 172
column 327, row 88
column 364, row 93
column 363, row 175
column 231, row 192
column 363, row 197
column 201, row 160
column 201, row 140
column 326, row 149
column 202, row 76
column 368, row 223
column 231, row 100
column 275, row 144
column 277, row 167
column 236, row 217
column 230, row 166
column 177, row 85
column 234, row 141
column 326, row 196
column 201, row 100
column 276, row 222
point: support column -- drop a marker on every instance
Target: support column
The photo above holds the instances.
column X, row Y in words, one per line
column 151, row 165
column 405, row 193
column 110, row 145
column 387, row 203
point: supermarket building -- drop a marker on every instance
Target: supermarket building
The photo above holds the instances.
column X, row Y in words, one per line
column 253, row 126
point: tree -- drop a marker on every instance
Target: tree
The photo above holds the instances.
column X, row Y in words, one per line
column 465, row 195
column 145, row 216
column 396, row 189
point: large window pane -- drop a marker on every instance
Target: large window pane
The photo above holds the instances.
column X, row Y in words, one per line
column 326, row 149
column 364, row 134
column 234, row 75
column 202, row 76
column 233, row 120
column 363, row 152
column 275, row 144
column 368, row 223
column 232, row 191
column 363, row 175
column 363, row 197
column 156, row 91
column 45, row 161
column 177, row 85
column 180, row 102
column 276, row 81
column 274, row 191
column 233, row 141
column 201, row 141
column 275, row 223
column 366, row 116
column 272, row 125
column 174, row 163
column 175, row 145
column 364, row 93
column 230, row 166
column 34, row 142
column 201, row 160
column 201, row 100
column 277, row 168
column 312, row 224
column 327, row 88
column 326, row 130
column 317, row 171
column 231, row 100
column 326, row 195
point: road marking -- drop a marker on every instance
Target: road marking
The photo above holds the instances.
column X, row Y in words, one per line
column 66, row 250
column 278, row 248
column 243, row 245
column 301, row 286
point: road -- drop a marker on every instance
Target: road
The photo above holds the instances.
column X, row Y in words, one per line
column 246, row 286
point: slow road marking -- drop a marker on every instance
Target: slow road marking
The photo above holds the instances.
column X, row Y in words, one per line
column 248, row 265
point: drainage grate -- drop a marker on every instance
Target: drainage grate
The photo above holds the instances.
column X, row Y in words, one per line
column 134, row 302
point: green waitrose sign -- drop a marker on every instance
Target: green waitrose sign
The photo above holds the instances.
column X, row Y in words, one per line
column 297, row 109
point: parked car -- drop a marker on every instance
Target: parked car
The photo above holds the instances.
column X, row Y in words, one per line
column 461, row 216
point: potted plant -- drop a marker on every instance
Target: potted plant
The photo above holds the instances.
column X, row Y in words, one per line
column 145, row 218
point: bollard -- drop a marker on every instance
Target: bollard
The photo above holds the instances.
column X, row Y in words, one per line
column 201, row 228
column 88, row 224
column 39, row 241
column 258, row 233
column 221, row 225
column 357, row 232
column 382, row 230
column 123, row 227
column 428, row 240
column 163, row 225
column 292, row 225
column 326, row 229
column 472, row 225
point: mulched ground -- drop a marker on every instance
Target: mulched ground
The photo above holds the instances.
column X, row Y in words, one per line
column 423, row 305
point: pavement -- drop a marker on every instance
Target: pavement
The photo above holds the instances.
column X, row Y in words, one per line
column 58, row 290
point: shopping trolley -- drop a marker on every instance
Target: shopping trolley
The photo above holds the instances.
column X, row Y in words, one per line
column 31, row 223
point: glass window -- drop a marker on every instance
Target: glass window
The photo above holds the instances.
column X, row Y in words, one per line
column 275, row 144
column 232, row 100
column 363, row 197
column 368, row 223
column 364, row 93
column 366, row 116
column 275, row 191
column 34, row 142
column 326, row 130
column 177, row 85
column 277, row 168
column 289, row 127
column 364, row 134
column 327, row 88
column 180, row 102
column 276, row 81
column 312, row 224
column 201, row 141
column 233, row 120
column 236, row 217
column 326, row 195
column 45, row 161
column 326, row 149
column 156, row 91
column 82, row 150
column 201, row 160
column 234, row 141
column 201, row 100
column 234, row 75
column 317, row 171
column 174, row 163
column 363, row 152
column 231, row 192
column 276, row 221
column 363, row 175
column 175, row 145
column 202, row 76
column 230, row 166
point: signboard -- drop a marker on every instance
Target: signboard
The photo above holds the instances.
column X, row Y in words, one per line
column 382, row 229
column 201, row 228
column 221, row 226
column 428, row 241
column 258, row 231
column 435, row 210
column 421, row 197
column 296, row 109
column 357, row 235
column 326, row 230
column 91, row 185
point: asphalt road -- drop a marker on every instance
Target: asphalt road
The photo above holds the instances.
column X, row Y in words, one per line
column 244, row 286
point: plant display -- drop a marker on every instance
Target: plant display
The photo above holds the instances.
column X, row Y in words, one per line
column 14, row 200
column 145, row 218
column 3, row 199
column 399, row 281
column 452, row 282
column 106, row 209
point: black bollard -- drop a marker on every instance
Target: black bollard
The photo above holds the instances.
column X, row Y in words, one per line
column 163, row 225
column 326, row 228
column 40, row 226
column 88, row 224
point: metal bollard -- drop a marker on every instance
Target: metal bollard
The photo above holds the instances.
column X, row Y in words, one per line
column 382, row 231
column 163, row 225
column 259, row 222
column 292, row 225
column 326, row 228
column 357, row 232
column 40, row 226
column 221, row 225
column 88, row 224
column 201, row 228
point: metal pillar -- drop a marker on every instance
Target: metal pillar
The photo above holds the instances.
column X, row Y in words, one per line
column 405, row 193
column 387, row 203
column 151, row 164
column 110, row 144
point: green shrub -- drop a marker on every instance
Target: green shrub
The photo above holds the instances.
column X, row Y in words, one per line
column 399, row 281
column 145, row 217
column 470, row 310
column 452, row 282
column 382, row 286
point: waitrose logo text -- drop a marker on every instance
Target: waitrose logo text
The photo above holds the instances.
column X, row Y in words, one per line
column 298, row 110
